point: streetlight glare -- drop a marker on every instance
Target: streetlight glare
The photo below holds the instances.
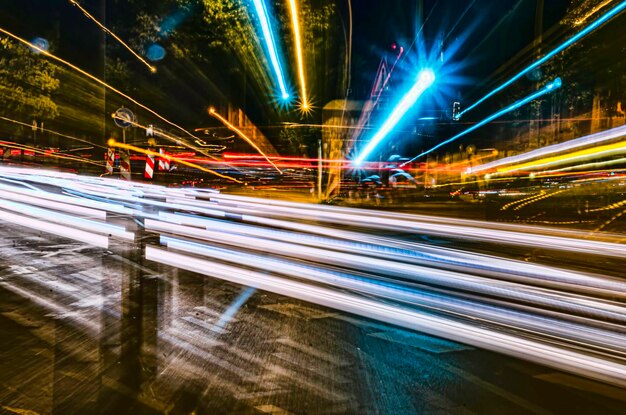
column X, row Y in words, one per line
column 425, row 79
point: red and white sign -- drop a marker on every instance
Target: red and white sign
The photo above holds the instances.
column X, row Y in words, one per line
column 125, row 165
column 110, row 160
column 164, row 164
column 148, row 173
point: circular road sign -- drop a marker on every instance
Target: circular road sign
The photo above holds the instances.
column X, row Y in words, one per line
column 124, row 118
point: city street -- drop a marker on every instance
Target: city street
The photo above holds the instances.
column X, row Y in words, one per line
column 312, row 207
column 130, row 325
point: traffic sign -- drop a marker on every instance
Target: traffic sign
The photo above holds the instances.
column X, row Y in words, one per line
column 124, row 118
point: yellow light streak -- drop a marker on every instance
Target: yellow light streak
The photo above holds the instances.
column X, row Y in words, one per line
column 515, row 202
column 582, row 154
column 620, row 160
column 99, row 81
column 296, row 32
column 608, row 222
column 113, row 35
column 170, row 138
column 591, row 13
column 465, row 183
column 240, row 133
column 114, row 143
column 537, row 198
column 612, row 206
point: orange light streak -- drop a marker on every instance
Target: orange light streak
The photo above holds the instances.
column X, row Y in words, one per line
column 240, row 133
column 113, row 35
column 113, row 143
column 296, row 33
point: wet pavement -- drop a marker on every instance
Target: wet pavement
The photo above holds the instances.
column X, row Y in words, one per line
column 88, row 330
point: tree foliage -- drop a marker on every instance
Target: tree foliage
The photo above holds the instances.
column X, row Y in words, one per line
column 27, row 82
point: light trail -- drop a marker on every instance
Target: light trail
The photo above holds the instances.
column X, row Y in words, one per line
column 113, row 143
column 425, row 79
column 555, row 148
column 393, row 290
column 519, row 235
column 584, row 167
column 240, row 133
column 113, row 35
column 578, row 36
column 97, row 80
column 293, row 8
column 281, row 158
column 173, row 139
column 606, row 150
column 268, row 34
column 65, row 231
column 543, row 353
column 565, row 319
column 552, row 86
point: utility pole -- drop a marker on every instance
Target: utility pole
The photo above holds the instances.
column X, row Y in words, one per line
column 319, row 169
column 419, row 18
column 535, row 128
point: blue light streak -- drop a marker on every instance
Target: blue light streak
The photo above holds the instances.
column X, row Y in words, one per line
column 425, row 79
column 261, row 11
column 552, row 86
column 232, row 309
column 593, row 26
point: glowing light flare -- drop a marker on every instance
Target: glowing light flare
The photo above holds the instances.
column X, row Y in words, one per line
column 113, row 143
column 113, row 35
column 424, row 81
column 240, row 133
column 552, row 86
column 300, row 60
column 262, row 13
column 578, row 36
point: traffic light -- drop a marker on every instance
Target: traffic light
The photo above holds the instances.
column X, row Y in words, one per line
column 456, row 110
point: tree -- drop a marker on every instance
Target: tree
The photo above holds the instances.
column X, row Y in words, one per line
column 27, row 82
